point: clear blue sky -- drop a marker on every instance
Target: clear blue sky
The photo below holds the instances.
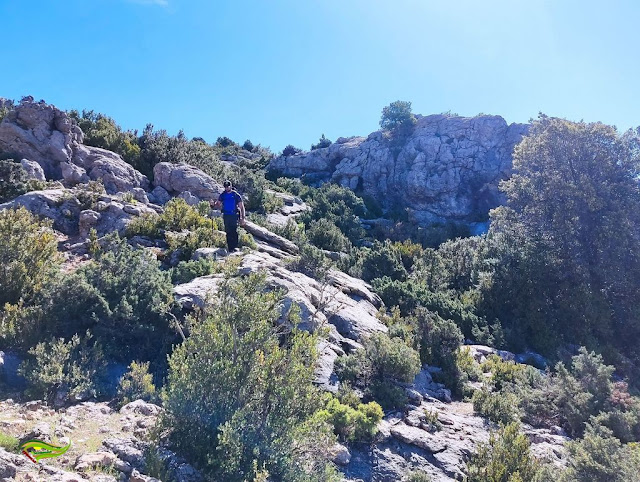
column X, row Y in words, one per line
column 286, row 71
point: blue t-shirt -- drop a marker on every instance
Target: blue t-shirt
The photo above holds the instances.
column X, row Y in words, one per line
column 230, row 201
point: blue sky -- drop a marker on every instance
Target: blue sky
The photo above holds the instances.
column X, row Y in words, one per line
column 283, row 72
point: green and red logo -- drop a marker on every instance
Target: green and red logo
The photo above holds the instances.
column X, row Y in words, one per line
column 37, row 449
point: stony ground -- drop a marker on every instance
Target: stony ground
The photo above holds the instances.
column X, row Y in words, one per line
column 107, row 445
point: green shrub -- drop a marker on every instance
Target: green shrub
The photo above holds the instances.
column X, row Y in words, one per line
column 417, row 476
column 137, row 383
column 505, row 458
column 337, row 204
column 256, row 409
column 28, row 255
column 248, row 145
column 146, row 225
column 502, row 372
column 352, row 424
column 185, row 271
column 224, row 141
column 9, row 443
column 582, row 391
column 326, row 235
column 601, row 456
column 467, row 365
column 391, row 358
column 187, row 242
column 383, row 260
column 77, row 367
column 290, row 150
column 383, row 362
column 122, row 296
column 322, row 143
column 155, row 466
column 411, row 294
column 311, row 261
column 499, row 407
column 354, row 369
column 29, row 261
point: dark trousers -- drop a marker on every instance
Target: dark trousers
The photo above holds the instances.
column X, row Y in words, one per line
column 231, row 228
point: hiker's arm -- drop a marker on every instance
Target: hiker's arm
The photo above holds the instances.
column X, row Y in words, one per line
column 241, row 207
column 215, row 204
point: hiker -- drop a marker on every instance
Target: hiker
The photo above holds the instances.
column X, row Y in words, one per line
column 230, row 203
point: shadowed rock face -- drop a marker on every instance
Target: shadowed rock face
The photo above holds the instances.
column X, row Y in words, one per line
column 448, row 169
column 43, row 133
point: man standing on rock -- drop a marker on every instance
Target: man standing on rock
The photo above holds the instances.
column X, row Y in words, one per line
column 232, row 207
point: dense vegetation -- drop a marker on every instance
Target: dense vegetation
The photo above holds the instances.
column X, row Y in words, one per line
column 557, row 270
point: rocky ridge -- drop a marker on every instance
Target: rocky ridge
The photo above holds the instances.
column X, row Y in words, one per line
column 447, row 169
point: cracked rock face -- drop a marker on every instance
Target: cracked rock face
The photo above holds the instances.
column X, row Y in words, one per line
column 448, row 169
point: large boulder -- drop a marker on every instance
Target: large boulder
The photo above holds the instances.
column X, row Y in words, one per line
column 45, row 134
column 177, row 178
column 447, row 169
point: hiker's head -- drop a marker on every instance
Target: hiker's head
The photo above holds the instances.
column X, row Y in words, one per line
column 227, row 185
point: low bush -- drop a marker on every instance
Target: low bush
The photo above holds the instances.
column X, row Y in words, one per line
column 505, row 458
column 322, row 143
column 326, row 235
column 290, row 150
column 122, row 296
column 76, row 367
column 352, row 424
column 383, row 362
column 601, row 456
column 311, row 261
column 8, row 442
column 137, row 383
column 185, row 271
column 417, row 476
column 499, row 407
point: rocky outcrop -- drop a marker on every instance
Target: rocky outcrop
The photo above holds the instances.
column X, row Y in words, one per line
column 178, row 178
column 44, row 134
column 448, row 169
column 435, row 438
column 67, row 208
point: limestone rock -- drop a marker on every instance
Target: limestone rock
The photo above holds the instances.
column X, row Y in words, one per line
column 88, row 219
column 177, row 178
column 9, row 464
column 418, row 437
column 138, row 477
column 140, row 195
column 196, row 292
column 189, row 198
column 128, row 450
column 159, row 195
column 94, row 460
column 34, row 171
column 270, row 237
column 44, row 134
column 213, row 253
column 340, row 454
column 448, row 169
column 141, row 407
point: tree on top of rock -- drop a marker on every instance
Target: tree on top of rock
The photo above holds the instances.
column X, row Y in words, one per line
column 397, row 116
